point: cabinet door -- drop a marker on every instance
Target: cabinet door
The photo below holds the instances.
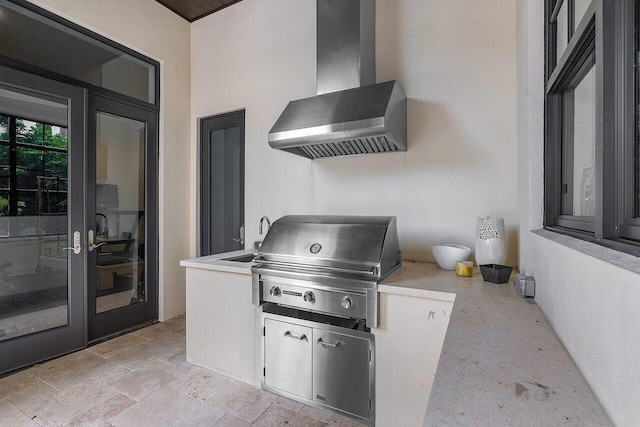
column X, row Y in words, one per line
column 341, row 372
column 287, row 357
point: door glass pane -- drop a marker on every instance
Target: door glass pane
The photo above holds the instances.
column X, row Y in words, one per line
column 33, row 215
column 579, row 9
column 225, row 190
column 562, row 28
column 579, row 148
column 120, row 209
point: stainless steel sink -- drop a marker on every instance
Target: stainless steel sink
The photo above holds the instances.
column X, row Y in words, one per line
column 240, row 258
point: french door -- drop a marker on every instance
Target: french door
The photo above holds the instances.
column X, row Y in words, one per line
column 42, row 225
column 78, row 218
column 121, row 217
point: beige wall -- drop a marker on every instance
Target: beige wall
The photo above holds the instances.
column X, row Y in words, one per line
column 592, row 303
column 456, row 62
column 153, row 30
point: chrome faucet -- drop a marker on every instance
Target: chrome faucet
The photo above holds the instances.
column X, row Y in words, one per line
column 268, row 224
column 105, row 230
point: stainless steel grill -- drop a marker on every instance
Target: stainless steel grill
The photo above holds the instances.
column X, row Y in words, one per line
column 330, row 254
column 316, row 279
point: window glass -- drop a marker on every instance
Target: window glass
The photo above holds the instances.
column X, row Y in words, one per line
column 55, row 136
column 4, row 157
column 27, row 132
column 4, row 128
column 579, row 147
column 636, row 165
column 33, row 183
column 73, row 54
column 584, row 147
column 579, row 9
column 562, row 30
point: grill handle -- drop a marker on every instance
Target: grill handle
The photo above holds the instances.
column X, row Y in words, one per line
column 295, row 337
column 326, row 344
column 372, row 272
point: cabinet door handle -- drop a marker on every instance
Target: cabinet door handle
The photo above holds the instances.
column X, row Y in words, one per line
column 326, row 344
column 296, row 337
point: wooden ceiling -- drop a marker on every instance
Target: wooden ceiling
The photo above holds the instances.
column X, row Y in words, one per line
column 196, row 9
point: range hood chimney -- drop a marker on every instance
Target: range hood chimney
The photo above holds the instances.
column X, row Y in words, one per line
column 350, row 114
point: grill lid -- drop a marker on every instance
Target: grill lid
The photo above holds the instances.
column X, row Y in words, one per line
column 334, row 245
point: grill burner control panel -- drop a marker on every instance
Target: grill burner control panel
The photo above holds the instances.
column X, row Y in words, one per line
column 324, row 300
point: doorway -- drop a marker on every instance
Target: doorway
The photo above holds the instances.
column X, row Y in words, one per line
column 42, row 292
column 78, row 218
column 222, row 183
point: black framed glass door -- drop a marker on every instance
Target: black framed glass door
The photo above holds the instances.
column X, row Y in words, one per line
column 42, row 292
column 121, row 217
column 222, row 183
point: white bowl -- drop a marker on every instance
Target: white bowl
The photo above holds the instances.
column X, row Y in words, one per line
column 447, row 255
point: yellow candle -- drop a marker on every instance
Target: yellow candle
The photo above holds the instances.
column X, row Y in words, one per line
column 464, row 268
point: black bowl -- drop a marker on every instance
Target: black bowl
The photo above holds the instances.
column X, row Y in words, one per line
column 495, row 273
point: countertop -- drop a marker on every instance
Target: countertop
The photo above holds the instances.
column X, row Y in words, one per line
column 217, row 263
column 501, row 363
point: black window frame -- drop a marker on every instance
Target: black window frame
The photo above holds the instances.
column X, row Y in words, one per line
column 608, row 32
column 98, row 90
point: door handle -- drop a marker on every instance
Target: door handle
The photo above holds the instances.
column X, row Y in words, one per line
column 92, row 245
column 241, row 239
column 76, row 248
column 296, row 337
column 326, row 344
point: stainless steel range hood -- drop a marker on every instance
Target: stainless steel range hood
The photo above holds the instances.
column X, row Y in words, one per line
column 350, row 114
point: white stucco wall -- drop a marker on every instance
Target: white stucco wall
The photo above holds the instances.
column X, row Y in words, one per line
column 455, row 61
column 151, row 29
column 592, row 305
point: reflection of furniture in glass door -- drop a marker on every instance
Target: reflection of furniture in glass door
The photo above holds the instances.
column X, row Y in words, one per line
column 120, row 263
column 51, row 212
column 119, row 275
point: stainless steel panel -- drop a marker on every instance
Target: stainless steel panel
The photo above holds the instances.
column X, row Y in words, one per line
column 369, row 119
column 324, row 301
column 317, row 328
column 345, row 44
column 287, row 357
column 341, row 369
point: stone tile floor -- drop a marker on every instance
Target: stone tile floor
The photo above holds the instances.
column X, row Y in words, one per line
column 142, row 379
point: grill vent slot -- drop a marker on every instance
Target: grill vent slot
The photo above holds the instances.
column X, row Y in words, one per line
column 350, row 147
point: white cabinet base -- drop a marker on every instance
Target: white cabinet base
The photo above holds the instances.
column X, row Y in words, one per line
column 408, row 345
column 222, row 324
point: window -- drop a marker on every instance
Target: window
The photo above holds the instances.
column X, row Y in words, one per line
column 73, row 52
column 33, row 177
column 592, row 121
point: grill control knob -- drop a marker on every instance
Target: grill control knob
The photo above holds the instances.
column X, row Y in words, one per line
column 274, row 291
column 309, row 297
column 347, row 302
